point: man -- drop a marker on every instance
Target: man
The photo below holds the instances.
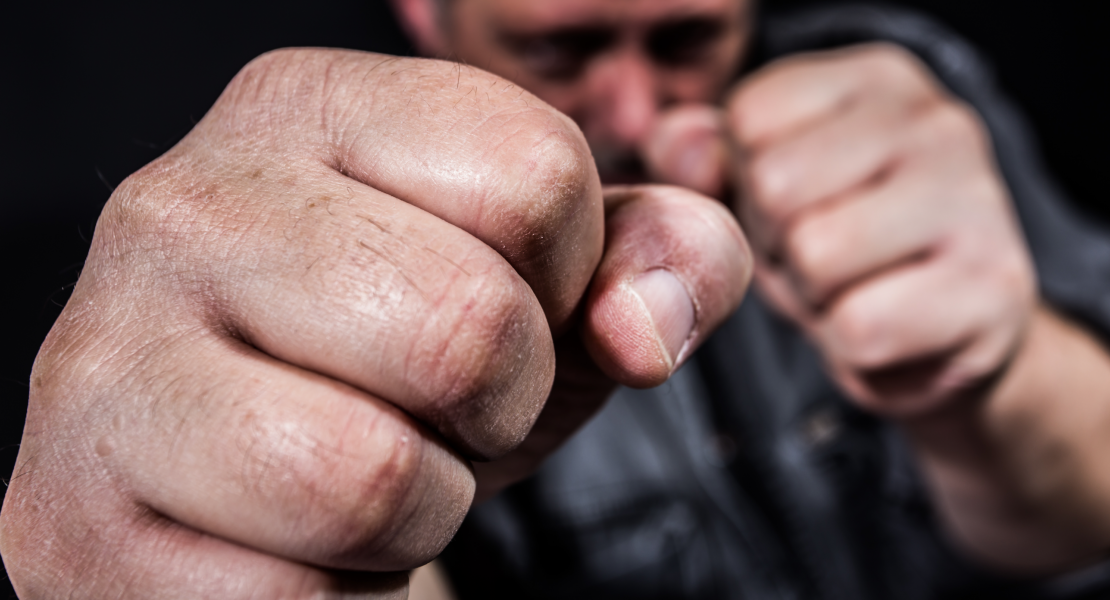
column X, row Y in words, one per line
column 297, row 328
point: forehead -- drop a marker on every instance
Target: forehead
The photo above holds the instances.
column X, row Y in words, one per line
column 557, row 14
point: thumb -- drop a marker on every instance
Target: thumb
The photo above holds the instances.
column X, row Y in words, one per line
column 687, row 148
column 676, row 264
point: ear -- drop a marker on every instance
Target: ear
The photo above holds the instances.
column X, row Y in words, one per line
column 423, row 24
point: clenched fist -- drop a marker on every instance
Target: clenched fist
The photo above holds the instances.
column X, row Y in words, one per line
column 297, row 329
column 881, row 224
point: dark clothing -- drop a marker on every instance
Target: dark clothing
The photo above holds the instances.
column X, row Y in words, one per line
column 749, row 475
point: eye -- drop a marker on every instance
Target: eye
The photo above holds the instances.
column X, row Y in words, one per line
column 685, row 42
column 560, row 55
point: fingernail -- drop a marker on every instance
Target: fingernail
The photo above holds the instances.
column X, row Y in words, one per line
column 671, row 310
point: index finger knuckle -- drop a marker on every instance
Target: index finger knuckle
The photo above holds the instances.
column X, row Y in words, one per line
column 895, row 67
column 546, row 174
column 954, row 125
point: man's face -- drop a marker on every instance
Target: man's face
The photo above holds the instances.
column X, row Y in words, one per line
column 611, row 65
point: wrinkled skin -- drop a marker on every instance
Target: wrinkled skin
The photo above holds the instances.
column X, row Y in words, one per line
column 297, row 329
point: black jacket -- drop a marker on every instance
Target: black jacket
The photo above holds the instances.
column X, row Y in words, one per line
column 749, row 475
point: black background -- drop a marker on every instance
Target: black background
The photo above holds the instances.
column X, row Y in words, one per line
column 89, row 94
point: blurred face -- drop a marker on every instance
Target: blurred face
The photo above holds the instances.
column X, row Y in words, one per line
column 611, row 65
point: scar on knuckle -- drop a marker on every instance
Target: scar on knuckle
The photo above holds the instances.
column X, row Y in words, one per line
column 388, row 492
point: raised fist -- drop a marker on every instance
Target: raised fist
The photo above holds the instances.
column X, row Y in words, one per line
column 297, row 329
column 881, row 225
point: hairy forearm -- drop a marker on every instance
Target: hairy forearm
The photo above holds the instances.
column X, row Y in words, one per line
column 1019, row 474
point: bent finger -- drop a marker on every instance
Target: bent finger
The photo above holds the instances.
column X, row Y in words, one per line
column 153, row 557
column 832, row 246
column 676, row 265
column 687, row 148
column 947, row 329
column 280, row 460
column 453, row 140
column 821, row 164
column 791, row 94
column 350, row 282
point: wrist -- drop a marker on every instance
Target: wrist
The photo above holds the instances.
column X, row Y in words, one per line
column 1013, row 468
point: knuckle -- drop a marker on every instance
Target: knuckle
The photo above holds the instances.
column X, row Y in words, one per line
column 281, row 93
column 482, row 327
column 353, row 504
column 899, row 72
column 41, row 504
column 556, row 184
column 147, row 224
column 811, row 249
column 478, row 372
column 892, row 63
column 743, row 107
column 859, row 333
column 1004, row 265
column 260, row 68
column 268, row 73
column 128, row 211
column 14, row 534
column 167, row 192
column 953, row 124
column 765, row 187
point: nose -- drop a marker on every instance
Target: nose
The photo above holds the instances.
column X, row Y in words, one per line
column 627, row 99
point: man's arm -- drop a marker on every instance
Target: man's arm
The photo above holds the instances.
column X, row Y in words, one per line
column 883, row 229
column 1019, row 471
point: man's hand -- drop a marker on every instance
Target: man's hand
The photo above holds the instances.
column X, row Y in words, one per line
column 296, row 330
column 884, row 228
column 880, row 223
